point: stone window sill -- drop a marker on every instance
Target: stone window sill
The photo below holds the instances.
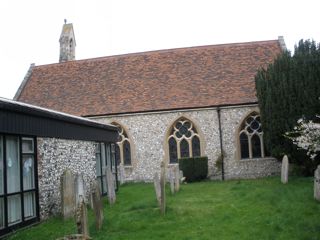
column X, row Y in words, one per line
column 257, row 159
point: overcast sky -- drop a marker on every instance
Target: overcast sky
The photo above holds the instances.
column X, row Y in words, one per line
column 30, row 29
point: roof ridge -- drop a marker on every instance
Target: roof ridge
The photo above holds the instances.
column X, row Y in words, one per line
column 162, row 51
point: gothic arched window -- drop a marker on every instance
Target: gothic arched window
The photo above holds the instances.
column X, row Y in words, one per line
column 251, row 137
column 183, row 140
column 123, row 147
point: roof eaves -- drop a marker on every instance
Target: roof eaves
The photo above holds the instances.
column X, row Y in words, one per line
column 17, row 106
column 173, row 109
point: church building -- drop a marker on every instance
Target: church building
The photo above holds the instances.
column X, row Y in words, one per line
column 167, row 104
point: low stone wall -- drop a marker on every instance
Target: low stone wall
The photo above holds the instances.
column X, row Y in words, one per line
column 55, row 156
column 252, row 168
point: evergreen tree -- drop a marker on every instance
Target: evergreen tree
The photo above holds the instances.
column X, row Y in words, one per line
column 287, row 90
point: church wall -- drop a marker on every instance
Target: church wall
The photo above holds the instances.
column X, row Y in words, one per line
column 54, row 157
column 235, row 167
column 148, row 133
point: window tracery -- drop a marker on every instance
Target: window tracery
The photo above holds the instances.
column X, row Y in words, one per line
column 123, row 147
column 183, row 140
column 251, row 137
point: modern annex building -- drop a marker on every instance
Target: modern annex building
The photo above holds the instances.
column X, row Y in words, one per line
column 167, row 104
column 36, row 146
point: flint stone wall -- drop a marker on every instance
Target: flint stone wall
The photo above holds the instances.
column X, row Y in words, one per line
column 148, row 132
column 54, row 157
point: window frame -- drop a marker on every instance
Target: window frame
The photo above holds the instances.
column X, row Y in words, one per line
column 107, row 161
column 242, row 130
column 123, row 137
column 173, row 130
column 25, row 220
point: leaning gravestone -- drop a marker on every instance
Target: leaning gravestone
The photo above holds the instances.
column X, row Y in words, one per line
column 67, row 194
column 82, row 218
column 80, row 188
column 284, row 169
column 317, row 183
column 110, row 186
column 97, row 205
column 157, row 188
column 163, row 188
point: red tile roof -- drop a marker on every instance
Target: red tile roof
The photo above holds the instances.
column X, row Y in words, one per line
column 151, row 81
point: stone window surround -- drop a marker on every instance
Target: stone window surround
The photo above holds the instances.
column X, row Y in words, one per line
column 168, row 134
column 237, row 139
column 132, row 147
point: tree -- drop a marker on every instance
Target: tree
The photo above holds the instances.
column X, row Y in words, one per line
column 288, row 89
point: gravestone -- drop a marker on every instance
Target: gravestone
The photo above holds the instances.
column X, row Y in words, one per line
column 317, row 183
column 172, row 180
column 110, row 186
column 163, row 188
column 121, row 174
column 284, row 169
column 97, row 205
column 82, row 218
column 67, row 194
column 176, row 178
column 79, row 188
column 157, row 188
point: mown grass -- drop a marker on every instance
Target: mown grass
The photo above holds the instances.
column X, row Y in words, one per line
column 246, row 209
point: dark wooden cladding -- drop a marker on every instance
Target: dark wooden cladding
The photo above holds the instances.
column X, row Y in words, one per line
column 18, row 119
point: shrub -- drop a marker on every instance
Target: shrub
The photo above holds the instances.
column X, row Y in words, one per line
column 194, row 168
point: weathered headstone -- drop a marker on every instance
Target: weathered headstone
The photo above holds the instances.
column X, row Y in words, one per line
column 67, row 194
column 157, row 187
column 284, row 169
column 317, row 183
column 97, row 205
column 82, row 218
column 172, row 180
column 176, row 178
column 110, row 186
column 121, row 174
column 163, row 188
column 79, row 188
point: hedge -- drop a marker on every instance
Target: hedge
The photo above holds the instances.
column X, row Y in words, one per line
column 194, row 169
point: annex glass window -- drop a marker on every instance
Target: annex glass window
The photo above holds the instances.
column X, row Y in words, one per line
column 18, row 188
column 251, row 137
column 105, row 157
column 183, row 140
column 123, row 147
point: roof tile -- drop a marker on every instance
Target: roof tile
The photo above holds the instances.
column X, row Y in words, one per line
column 150, row 81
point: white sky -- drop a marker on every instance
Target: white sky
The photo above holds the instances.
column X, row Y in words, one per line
column 30, row 29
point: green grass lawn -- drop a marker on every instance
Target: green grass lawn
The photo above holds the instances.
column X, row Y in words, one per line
column 246, row 209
